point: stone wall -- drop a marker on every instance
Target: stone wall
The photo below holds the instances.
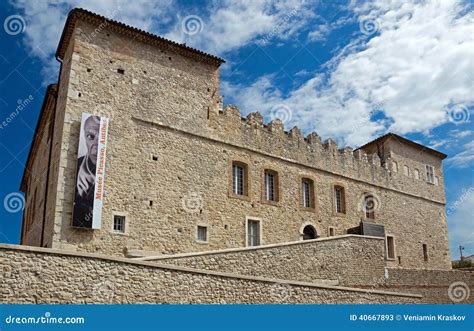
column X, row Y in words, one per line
column 434, row 285
column 35, row 179
column 40, row 275
column 60, row 181
column 349, row 260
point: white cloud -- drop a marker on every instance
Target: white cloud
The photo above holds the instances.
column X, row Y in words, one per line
column 459, row 134
column 406, row 76
column 45, row 21
column 320, row 33
column 461, row 223
column 435, row 144
column 463, row 159
column 233, row 24
column 226, row 25
column 323, row 30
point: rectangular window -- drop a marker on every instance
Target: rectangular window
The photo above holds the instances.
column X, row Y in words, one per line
column 390, row 247
column 119, row 223
column 332, row 231
column 202, row 233
column 239, row 178
column 394, row 166
column 430, row 174
column 306, row 193
column 253, row 233
column 271, row 185
column 340, row 200
column 425, row 252
column 417, row 174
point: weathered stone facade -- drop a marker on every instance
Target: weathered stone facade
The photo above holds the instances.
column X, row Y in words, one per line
column 170, row 150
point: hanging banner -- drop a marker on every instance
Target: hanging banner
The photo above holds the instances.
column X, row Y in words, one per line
column 88, row 199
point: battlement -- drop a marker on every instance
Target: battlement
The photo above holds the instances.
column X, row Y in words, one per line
column 292, row 145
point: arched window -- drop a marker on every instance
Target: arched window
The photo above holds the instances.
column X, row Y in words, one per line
column 309, row 232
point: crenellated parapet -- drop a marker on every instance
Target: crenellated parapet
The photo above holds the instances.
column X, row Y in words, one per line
column 292, row 145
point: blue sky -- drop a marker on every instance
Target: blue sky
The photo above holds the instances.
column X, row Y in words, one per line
column 349, row 70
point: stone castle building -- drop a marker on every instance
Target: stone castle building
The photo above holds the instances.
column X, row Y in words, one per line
column 185, row 174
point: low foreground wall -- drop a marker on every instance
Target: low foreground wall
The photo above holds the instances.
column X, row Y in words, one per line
column 349, row 260
column 41, row 275
column 436, row 286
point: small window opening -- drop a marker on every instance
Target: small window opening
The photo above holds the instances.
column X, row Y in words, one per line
column 391, row 247
column 119, row 223
column 425, row 252
column 332, row 231
column 253, row 233
column 202, row 233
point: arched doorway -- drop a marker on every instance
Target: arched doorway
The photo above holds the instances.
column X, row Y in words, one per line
column 309, row 232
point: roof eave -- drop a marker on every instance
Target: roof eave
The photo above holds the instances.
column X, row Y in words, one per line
column 385, row 137
column 79, row 13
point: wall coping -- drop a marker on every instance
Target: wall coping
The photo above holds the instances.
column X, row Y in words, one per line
column 429, row 270
column 31, row 249
column 150, row 255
